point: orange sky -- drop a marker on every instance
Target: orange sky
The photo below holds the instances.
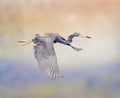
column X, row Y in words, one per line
column 55, row 15
column 21, row 19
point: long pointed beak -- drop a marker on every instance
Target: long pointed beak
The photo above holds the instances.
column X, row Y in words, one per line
column 85, row 36
column 88, row 37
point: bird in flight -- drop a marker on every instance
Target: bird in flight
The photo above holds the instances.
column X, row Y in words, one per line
column 45, row 54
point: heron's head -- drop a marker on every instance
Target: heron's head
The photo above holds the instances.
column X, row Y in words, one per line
column 80, row 35
column 76, row 34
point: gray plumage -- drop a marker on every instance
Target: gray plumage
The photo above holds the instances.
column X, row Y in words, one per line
column 45, row 54
column 76, row 34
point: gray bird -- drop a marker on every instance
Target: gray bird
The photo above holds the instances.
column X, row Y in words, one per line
column 45, row 54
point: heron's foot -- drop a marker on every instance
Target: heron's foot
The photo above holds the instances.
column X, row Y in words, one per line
column 22, row 42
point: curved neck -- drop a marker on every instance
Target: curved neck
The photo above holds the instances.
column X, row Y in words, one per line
column 71, row 37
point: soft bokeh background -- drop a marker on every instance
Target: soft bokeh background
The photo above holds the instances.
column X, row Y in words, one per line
column 91, row 73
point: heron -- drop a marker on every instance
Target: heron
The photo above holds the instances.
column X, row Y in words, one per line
column 44, row 51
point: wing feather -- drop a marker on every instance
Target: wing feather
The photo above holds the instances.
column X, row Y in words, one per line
column 46, row 59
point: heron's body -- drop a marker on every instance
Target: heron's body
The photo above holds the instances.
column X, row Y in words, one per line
column 45, row 54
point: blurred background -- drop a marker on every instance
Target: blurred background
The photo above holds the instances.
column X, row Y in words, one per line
column 93, row 72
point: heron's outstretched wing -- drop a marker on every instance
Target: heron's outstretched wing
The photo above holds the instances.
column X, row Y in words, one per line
column 47, row 61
